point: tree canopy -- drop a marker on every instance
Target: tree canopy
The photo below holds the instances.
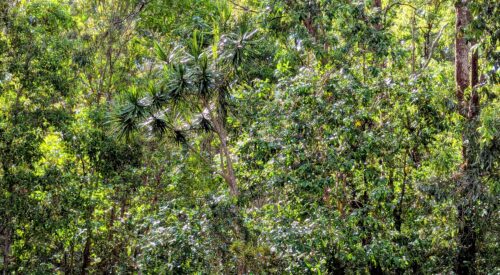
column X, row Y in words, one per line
column 249, row 137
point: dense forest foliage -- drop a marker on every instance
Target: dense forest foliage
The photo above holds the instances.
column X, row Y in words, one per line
column 249, row 136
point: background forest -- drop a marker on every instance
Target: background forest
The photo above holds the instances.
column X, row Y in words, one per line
column 249, row 136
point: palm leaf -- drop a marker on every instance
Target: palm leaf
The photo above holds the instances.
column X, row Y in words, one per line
column 158, row 126
column 179, row 137
column 203, row 77
column 157, row 98
column 178, row 82
column 162, row 54
column 129, row 114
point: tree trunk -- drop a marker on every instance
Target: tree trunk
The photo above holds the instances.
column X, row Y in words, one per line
column 377, row 4
column 474, row 101
column 86, row 254
column 6, row 250
column 466, row 77
column 461, row 54
column 8, row 230
column 228, row 171
column 88, row 243
column 398, row 211
column 231, row 178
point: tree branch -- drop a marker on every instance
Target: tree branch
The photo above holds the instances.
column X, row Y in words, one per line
column 433, row 45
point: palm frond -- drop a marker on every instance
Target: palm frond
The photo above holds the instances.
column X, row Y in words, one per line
column 178, row 82
column 196, row 45
column 125, row 124
column 161, row 53
column 158, row 126
column 157, row 98
column 179, row 137
column 203, row 77
column 235, row 45
column 136, row 105
column 127, row 116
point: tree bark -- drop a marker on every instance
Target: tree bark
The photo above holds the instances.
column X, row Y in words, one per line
column 88, row 243
column 398, row 211
column 227, row 172
column 230, row 176
column 474, row 101
column 461, row 54
column 377, row 4
column 86, row 254
column 466, row 76
column 6, row 250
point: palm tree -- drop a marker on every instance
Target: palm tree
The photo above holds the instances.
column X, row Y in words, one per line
column 193, row 98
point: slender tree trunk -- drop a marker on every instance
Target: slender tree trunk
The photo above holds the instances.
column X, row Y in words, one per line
column 231, row 178
column 228, row 171
column 466, row 77
column 474, row 101
column 413, row 48
column 377, row 4
column 461, row 54
column 398, row 212
column 8, row 230
column 71, row 258
column 88, row 243
column 6, row 250
column 86, row 254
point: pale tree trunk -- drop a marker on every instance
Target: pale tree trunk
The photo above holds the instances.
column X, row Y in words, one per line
column 227, row 171
column 229, row 177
